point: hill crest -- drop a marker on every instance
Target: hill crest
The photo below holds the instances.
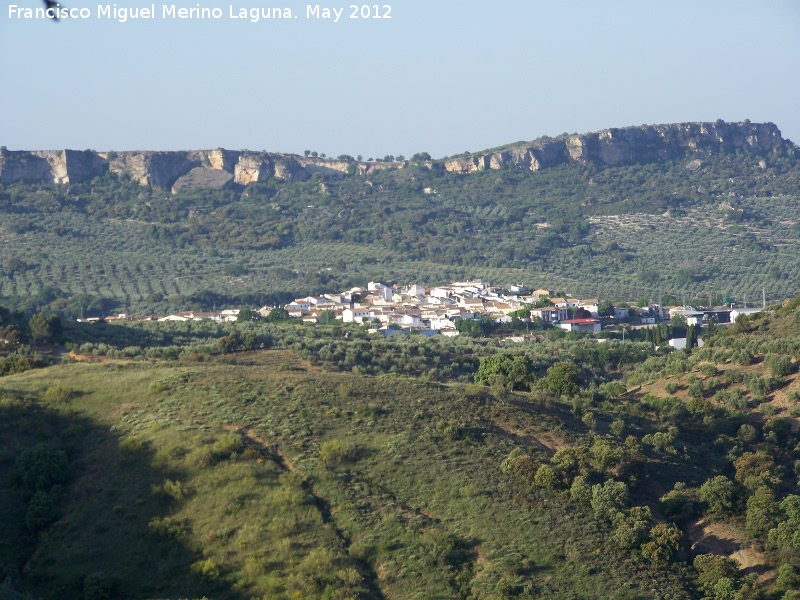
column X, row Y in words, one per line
column 220, row 168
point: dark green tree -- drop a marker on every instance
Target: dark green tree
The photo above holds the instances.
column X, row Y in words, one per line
column 45, row 328
column 563, row 378
column 278, row 314
column 719, row 494
column 515, row 370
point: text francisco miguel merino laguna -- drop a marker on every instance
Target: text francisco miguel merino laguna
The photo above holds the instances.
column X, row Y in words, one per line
column 171, row 11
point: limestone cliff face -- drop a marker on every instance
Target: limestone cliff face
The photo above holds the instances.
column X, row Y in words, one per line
column 214, row 169
column 252, row 168
column 628, row 145
column 223, row 160
column 22, row 166
column 73, row 166
column 160, row 169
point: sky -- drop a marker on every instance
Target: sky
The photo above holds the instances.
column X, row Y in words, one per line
column 439, row 76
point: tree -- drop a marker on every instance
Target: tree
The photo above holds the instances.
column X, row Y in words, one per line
column 788, row 577
column 45, row 329
column 609, row 498
column 278, row 314
column 754, row 470
column 41, row 511
column 762, row 511
column 713, row 567
column 563, row 378
column 718, row 493
column 605, row 308
column 246, row 315
column 515, row 370
column 545, row 477
column 779, row 365
column 421, row 156
column 98, row 586
column 691, row 338
column 665, row 540
column 229, row 343
column 631, row 530
column 327, row 317
column 41, row 467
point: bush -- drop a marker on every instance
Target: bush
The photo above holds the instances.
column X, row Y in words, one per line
column 718, row 493
column 609, row 498
column 41, row 511
column 711, row 568
column 41, row 467
column 334, row 453
column 671, row 387
column 545, row 477
column 708, row 369
column 665, row 539
column 207, row 569
column 58, row 394
column 226, row 445
column 779, row 366
column 97, row 586
column 132, row 445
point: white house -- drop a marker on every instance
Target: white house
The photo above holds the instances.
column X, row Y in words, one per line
column 550, row 314
column 586, row 325
column 356, row 315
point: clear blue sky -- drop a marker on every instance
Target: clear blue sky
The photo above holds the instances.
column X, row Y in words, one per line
column 441, row 76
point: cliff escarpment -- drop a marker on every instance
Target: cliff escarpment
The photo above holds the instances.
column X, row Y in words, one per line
column 649, row 143
column 215, row 169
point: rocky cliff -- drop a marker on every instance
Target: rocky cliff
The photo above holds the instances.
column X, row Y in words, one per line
column 218, row 168
column 647, row 143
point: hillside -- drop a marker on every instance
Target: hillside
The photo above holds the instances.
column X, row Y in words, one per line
column 679, row 210
column 571, row 469
column 671, row 211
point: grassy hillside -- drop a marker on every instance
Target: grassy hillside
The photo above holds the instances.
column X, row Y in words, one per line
column 728, row 226
column 264, row 477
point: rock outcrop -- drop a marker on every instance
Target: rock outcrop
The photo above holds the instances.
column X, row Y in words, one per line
column 218, row 168
column 203, row 178
column 648, row 143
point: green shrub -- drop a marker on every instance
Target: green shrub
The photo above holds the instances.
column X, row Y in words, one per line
column 546, row 477
column 132, row 445
column 334, row 453
column 708, row 369
column 169, row 527
column 226, row 445
column 671, row 387
column 711, row 568
column 41, row 467
column 58, row 394
column 718, row 493
column 207, row 569
column 779, row 366
column 41, row 511
column 97, row 586
column 665, row 540
column 175, row 490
